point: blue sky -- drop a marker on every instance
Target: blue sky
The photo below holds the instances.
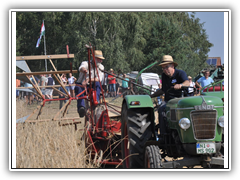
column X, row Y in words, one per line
column 214, row 25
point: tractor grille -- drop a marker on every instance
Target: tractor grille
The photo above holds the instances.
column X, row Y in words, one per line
column 204, row 124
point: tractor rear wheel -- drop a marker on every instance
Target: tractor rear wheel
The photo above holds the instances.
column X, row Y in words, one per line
column 153, row 157
column 136, row 131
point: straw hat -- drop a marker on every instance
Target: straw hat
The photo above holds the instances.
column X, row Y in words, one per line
column 111, row 69
column 98, row 54
column 167, row 59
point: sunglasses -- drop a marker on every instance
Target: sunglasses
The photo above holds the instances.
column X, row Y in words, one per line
column 166, row 67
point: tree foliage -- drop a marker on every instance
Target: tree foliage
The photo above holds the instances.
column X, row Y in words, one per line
column 130, row 41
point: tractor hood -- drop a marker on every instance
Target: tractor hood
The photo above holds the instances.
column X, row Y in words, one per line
column 193, row 101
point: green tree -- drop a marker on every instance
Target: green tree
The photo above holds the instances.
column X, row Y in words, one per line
column 129, row 40
column 176, row 34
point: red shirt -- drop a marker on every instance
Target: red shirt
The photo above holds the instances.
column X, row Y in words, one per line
column 18, row 82
column 113, row 81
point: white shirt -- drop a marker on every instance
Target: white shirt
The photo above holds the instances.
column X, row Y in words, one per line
column 82, row 75
column 190, row 90
column 71, row 80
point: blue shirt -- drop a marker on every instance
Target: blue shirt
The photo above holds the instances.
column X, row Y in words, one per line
column 125, row 83
column 36, row 79
column 50, row 82
column 62, row 90
column 204, row 81
column 178, row 77
column 28, row 84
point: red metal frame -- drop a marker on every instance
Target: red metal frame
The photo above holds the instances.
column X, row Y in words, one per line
column 215, row 88
column 102, row 134
column 70, row 98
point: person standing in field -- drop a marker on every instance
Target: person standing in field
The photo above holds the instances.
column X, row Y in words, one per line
column 71, row 80
column 64, row 78
column 191, row 87
column 125, row 86
column 49, row 90
column 34, row 90
column 43, row 82
column 62, row 96
column 18, row 84
column 28, row 95
column 112, row 84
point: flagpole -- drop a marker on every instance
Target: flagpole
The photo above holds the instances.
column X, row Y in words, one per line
column 45, row 48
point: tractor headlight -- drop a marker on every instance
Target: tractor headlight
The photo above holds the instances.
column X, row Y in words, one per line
column 135, row 103
column 184, row 123
column 221, row 121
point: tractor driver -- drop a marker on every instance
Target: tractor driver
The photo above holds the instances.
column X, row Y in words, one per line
column 171, row 78
column 84, row 79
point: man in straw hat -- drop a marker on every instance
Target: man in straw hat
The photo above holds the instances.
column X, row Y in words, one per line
column 84, row 79
column 171, row 78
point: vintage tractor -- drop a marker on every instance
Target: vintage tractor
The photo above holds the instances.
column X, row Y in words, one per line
column 193, row 136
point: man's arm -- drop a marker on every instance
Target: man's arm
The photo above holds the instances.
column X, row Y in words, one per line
column 198, row 85
column 212, row 80
column 179, row 86
column 111, row 78
column 83, row 67
column 83, row 70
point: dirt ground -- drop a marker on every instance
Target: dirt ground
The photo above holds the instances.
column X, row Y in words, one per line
column 49, row 110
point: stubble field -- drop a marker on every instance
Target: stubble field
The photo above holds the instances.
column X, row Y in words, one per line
column 48, row 144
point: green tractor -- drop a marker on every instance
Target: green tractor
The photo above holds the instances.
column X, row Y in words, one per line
column 193, row 137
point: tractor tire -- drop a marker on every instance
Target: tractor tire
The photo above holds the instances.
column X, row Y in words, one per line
column 136, row 131
column 153, row 157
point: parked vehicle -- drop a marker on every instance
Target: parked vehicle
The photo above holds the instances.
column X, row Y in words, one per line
column 148, row 80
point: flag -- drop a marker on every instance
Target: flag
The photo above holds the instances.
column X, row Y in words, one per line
column 42, row 33
column 38, row 42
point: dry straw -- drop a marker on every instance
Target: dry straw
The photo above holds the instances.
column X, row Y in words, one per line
column 48, row 145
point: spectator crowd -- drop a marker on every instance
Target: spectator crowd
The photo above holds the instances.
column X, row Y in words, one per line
column 112, row 86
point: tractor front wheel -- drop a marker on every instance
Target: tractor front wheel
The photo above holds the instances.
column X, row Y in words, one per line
column 153, row 157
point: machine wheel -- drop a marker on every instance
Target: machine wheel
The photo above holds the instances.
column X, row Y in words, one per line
column 135, row 130
column 153, row 157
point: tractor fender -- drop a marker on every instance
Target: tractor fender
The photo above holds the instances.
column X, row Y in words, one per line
column 144, row 101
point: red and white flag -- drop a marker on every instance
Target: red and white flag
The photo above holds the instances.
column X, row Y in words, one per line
column 42, row 33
